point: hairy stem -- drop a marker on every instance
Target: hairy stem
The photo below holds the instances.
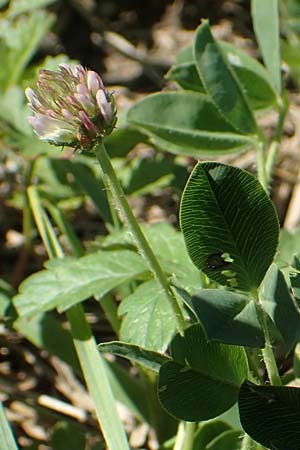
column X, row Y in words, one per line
column 126, row 214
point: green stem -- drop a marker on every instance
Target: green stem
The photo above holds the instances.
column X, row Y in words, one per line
column 190, row 428
column 179, row 436
column 91, row 361
column 267, row 351
column 261, row 169
column 184, row 438
column 111, row 180
column 266, row 163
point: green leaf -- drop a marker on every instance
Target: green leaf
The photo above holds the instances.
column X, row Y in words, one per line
column 22, row 37
column 13, row 111
column 17, row 7
column 266, row 26
column 144, row 176
column 62, row 179
column 253, row 77
column 228, row 440
column 187, row 123
column 203, row 379
column 278, row 303
column 220, row 81
column 270, row 415
column 122, row 140
column 186, row 75
column 136, row 354
column 93, row 187
column 231, row 417
column 7, row 440
column 229, row 225
column 228, row 317
column 168, row 245
column 73, row 281
column 185, row 55
column 289, row 243
column 207, row 432
column 149, row 319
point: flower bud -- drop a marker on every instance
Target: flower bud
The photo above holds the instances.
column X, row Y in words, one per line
column 71, row 107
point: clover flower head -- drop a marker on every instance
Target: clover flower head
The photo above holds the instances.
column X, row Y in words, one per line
column 71, row 107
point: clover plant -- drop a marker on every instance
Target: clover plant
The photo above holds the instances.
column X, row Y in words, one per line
column 203, row 310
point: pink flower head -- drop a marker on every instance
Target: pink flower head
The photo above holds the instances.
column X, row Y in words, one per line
column 71, row 107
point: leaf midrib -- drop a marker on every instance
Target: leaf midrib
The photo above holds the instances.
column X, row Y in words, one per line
column 230, row 232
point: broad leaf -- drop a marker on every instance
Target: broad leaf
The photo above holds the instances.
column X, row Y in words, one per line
column 136, row 354
column 149, row 320
column 229, row 225
column 266, row 26
column 187, row 123
column 73, row 281
column 203, row 379
column 270, row 415
column 168, row 245
column 220, row 81
column 228, row 317
column 278, row 303
column 186, row 75
column 252, row 76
